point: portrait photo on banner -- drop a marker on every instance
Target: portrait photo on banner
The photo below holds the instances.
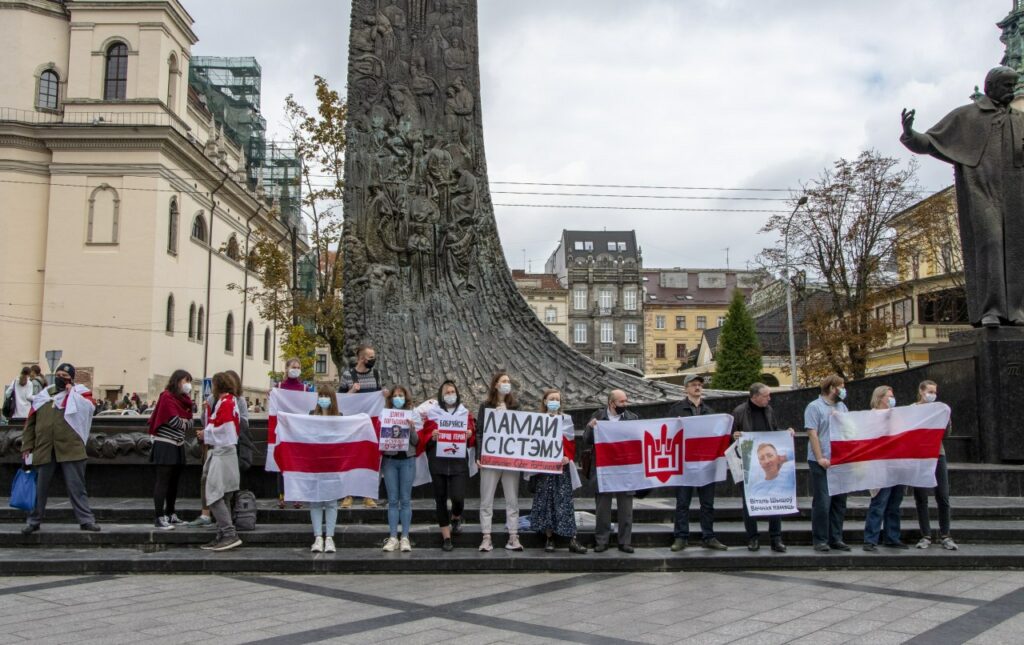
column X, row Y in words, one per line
column 769, row 467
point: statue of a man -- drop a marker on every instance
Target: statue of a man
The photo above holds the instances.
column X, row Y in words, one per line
column 985, row 143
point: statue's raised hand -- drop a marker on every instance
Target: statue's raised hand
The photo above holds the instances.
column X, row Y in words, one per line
column 908, row 121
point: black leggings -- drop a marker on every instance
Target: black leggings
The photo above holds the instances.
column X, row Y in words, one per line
column 449, row 487
column 166, row 489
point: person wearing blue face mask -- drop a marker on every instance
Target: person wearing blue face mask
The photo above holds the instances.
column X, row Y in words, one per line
column 399, row 472
column 553, row 511
column 827, row 511
column 928, row 392
column 324, row 514
column 883, row 518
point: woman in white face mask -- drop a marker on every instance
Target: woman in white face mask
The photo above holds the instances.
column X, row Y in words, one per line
column 167, row 425
column 292, row 381
column 499, row 397
column 448, row 433
column 883, row 519
column 928, row 392
column 324, row 513
column 553, row 511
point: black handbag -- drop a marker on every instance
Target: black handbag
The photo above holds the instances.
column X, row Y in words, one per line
column 9, row 406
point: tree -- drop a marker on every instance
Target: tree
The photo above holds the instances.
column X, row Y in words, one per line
column 298, row 344
column 738, row 359
column 844, row 239
column 319, row 141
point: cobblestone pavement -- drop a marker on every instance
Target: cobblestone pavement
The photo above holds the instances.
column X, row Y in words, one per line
column 932, row 608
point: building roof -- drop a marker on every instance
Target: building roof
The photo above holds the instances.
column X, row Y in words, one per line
column 718, row 286
column 543, row 281
column 599, row 241
column 773, row 329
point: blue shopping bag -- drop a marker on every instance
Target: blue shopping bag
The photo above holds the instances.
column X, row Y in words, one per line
column 23, row 490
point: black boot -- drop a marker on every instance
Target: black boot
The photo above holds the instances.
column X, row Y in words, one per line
column 576, row 547
column 549, row 545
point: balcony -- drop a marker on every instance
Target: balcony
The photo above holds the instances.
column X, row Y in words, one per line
column 71, row 115
column 923, row 334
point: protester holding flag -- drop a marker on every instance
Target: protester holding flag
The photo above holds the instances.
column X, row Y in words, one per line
column 499, row 397
column 361, row 378
column 884, row 512
column 399, row 471
column 756, row 415
column 827, row 511
column 168, row 423
column 447, row 434
column 324, row 514
column 553, row 511
column 928, row 392
column 220, row 470
column 56, row 431
column 293, row 382
column 694, row 406
column 616, row 410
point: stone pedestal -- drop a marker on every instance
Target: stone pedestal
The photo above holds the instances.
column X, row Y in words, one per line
column 999, row 387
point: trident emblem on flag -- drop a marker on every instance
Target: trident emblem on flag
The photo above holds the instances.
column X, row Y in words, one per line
column 663, row 457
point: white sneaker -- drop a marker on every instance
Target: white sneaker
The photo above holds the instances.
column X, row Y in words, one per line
column 949, row 545
column 485, row 544
column 318, row 545
column 404, row 545
column 924, row 542
column 391, row 544
column 163, row 523
column 513, row 543
column 329, row 545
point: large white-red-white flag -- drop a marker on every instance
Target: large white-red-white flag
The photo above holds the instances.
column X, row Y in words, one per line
column 296, row 402
column 883, row 448
column 78, row 408
column 635, row 455
column 706, row 438
column 326, row 458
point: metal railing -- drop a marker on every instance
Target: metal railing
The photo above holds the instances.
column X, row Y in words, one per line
column 98, row 118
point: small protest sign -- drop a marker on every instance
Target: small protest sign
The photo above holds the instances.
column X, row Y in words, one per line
column 524, row 441
column 394, row 430
column 769, row 482
column 452, row 436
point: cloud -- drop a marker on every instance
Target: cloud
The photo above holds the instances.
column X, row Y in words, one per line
column 719, row 93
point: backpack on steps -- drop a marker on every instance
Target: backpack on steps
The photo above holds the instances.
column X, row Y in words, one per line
column 243, row 513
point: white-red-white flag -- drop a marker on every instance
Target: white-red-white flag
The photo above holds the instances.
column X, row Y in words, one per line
column 298, row 402
column 78, row 408
column 883, row 448
column 706, row 437
column 634, row 455
column 325, row 458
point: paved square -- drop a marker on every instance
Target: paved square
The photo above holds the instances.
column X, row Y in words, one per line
column 925, row 607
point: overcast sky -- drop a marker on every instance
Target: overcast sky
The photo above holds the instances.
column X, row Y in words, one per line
column 696, row 93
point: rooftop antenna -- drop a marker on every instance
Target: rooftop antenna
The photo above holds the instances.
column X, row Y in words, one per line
column 726, row 249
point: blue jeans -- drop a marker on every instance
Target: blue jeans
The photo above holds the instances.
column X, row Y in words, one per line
column 706, row 495
column 317, row 513
column 398, row 477
column 827, row 511
column 884, row 510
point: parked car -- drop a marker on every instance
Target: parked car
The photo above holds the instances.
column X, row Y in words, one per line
column 118, row 413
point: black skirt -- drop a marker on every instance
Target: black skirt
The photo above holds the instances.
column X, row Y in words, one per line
column 167, row 454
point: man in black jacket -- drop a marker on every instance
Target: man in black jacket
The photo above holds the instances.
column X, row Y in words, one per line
column 756, row 415
column 616, row 410
column 693, row 406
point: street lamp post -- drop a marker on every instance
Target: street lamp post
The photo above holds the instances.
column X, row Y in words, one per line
column 789, row 298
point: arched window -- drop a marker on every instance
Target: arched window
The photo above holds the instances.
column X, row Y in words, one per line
column 172, row 227
column 229, row 333
column 199, row 228
column 201, row 324
column 104, row 210
column 192, row 321
column 115, row 80
column 172, row 82
column 49, row 90
column 232, row 249
column 266, row 344
column 169, row 325
column 250, row 331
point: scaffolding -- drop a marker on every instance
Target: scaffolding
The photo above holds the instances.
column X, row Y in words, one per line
column 231, row 87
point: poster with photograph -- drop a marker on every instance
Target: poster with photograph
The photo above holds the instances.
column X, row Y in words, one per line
column 769, row 465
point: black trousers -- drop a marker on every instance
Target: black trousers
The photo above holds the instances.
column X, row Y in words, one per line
column 165, row 492
column 447, row 487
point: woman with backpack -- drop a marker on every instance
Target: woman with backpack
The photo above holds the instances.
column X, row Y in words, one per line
column 167, row 425
column 220, row 470
column 449, row 462
column 324, row 513
column 499, row 397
